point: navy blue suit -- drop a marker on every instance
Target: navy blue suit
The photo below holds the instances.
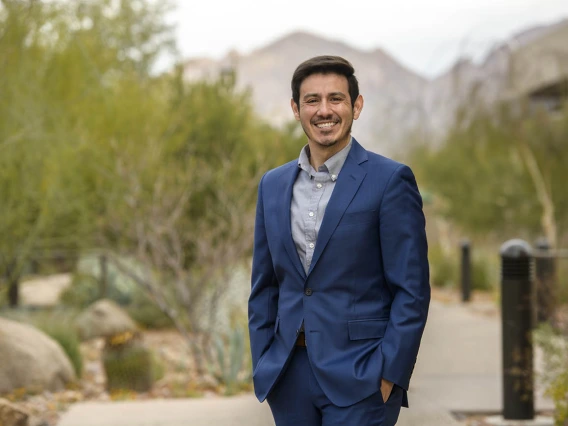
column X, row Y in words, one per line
column 364, row 300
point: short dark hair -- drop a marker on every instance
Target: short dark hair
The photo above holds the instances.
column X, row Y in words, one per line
column 325, row 65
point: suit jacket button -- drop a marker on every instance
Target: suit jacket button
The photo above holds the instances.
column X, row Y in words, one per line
column 308, row 292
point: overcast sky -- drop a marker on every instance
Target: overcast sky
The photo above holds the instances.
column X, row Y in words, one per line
column 425, row 35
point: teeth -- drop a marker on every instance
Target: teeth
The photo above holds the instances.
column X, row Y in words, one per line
column 324, row 125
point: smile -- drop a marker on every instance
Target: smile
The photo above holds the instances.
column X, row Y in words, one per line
column 326, row 125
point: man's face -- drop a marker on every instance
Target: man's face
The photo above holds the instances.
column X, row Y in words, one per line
column 325, row 110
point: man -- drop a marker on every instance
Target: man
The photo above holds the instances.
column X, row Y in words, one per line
column 340, row 282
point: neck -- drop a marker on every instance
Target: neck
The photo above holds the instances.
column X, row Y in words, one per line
column 320, row 154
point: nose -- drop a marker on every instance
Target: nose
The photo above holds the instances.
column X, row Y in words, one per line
column 324, row 108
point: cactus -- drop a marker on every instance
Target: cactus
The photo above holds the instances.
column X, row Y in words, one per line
column 229, row 368
column 128, row 364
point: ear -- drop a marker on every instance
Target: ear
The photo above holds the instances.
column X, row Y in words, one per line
column 357, row 107
column 295, row 109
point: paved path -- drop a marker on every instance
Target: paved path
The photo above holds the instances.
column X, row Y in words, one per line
column 458, row 370
column 234, row 411
column 459, row 364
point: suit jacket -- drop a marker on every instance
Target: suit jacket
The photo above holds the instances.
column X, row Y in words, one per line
column 365, row 297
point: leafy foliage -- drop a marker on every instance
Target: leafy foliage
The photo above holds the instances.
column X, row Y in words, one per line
column 500, row 172
column 445, row 269
column 60, row 64
column 555, row 374
column 99, row 152
column 69, row 340
column 86, row 289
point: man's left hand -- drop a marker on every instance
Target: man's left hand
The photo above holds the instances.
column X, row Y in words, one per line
column 386, row 389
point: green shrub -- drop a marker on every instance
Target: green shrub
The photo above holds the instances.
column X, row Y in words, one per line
column 3, row 294
column 146, row 313
column 443, row 268
column 69, row 340
column 480, row 274
column 562, row 281
column 554, row 345
column 85, row 290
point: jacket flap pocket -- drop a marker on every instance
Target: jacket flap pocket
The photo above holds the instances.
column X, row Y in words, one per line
column 277, row 323
column 367, row 328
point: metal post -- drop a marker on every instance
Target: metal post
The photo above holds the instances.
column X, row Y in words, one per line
column 466, row 270
column 518, row 395
column 545, row 286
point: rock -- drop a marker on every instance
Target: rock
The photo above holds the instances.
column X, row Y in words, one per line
column 31, row 360
column 104, row 318
column 44, row 291
column 12, row 415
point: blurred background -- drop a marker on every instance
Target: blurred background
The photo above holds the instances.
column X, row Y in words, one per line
column 133, row 134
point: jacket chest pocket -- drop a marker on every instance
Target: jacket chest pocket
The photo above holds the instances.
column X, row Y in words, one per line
column 365, row 217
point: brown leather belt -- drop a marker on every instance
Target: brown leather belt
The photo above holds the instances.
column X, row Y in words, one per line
column 301, row 340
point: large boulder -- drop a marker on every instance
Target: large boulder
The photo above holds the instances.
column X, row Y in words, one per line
column 104, row 319
column 30, row 359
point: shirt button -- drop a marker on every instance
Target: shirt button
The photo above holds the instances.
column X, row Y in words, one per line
column 333, row 177
column 319, row 185
column 311, row 214
column 312, row 245
column 308, row 292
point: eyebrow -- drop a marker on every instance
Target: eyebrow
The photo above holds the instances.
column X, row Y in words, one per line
column 308, row 95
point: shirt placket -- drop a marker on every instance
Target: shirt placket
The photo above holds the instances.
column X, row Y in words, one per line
column 313, row 214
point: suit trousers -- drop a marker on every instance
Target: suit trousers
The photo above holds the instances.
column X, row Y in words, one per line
column 298, row 400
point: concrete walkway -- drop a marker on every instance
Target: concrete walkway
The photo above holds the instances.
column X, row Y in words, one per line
column 458, row 370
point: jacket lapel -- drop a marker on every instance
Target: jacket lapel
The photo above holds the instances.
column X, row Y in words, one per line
column 285, row 188
column 347, row 185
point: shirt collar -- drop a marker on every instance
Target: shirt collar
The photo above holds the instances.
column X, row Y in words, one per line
column 333, row 165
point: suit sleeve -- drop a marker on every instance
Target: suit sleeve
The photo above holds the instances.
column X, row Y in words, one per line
column 263, row 300
column 405, row 260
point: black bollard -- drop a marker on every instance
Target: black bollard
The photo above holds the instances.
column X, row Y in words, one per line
column 466, row 270
column 545, row 286
column 516, row 300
